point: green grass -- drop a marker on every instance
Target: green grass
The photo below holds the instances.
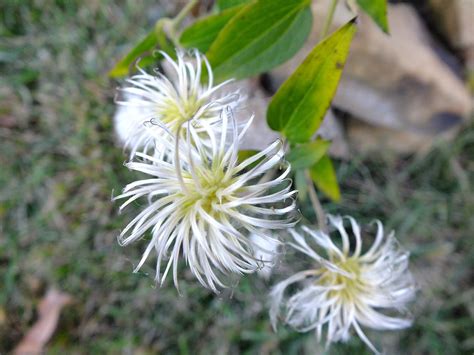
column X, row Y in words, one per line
column 58, row 226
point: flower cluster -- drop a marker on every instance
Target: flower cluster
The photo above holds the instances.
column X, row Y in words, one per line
column 203, row 203
column 218, row 213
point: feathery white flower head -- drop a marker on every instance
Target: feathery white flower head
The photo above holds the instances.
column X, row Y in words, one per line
column 151, row 105
column 348, row 288
column 205, row 204
column 266, row 252
column 130, row 127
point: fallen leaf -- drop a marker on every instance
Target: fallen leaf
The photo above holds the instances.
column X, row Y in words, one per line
column 39, row 334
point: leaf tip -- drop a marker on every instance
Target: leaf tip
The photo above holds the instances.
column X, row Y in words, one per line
column 117, row 72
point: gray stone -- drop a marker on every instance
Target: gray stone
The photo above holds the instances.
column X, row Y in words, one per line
column 332, row 129
column 456, row 18
column 398, row 81
column 366, row 138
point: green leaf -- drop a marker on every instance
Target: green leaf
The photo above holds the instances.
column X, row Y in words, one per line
column 299, row 106
column 324, row 176
column 227, row 4
column 307, row 154
column 301, row 185
column 377, row 10
column 245, row 154
column 144, row 50
column 204, row 31
column 263, row 35
column 122, row 67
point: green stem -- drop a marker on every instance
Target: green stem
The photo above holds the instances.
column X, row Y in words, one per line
column 318, row 209
column 171, row 25
column 329, row 18
column 183, row 13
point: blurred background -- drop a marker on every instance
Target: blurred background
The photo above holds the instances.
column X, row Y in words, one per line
column 403, row 138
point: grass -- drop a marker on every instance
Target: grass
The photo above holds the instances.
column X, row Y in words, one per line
column 58, row 227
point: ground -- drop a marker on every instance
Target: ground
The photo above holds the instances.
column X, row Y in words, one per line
column 59, row 167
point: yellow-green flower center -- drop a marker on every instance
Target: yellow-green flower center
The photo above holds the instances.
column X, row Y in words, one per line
column 178, row 112
column 351, row 285
column 207, row 193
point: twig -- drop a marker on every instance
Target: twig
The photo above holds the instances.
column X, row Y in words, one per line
column 184, row 12
column 329, row 18
column 318, row 209
column 171, row 26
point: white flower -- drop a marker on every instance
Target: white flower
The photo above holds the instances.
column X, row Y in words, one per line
column 152, row 106
column 205, row 204
column 266, row 252
column 348, row 288
column 130, row 128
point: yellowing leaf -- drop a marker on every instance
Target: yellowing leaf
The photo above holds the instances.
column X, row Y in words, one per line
column 299, row 106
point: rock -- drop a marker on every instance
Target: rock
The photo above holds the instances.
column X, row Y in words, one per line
column 366, row 138
column 456, row 18
column 332, row 129
column 469, row 56
column 395, row 81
